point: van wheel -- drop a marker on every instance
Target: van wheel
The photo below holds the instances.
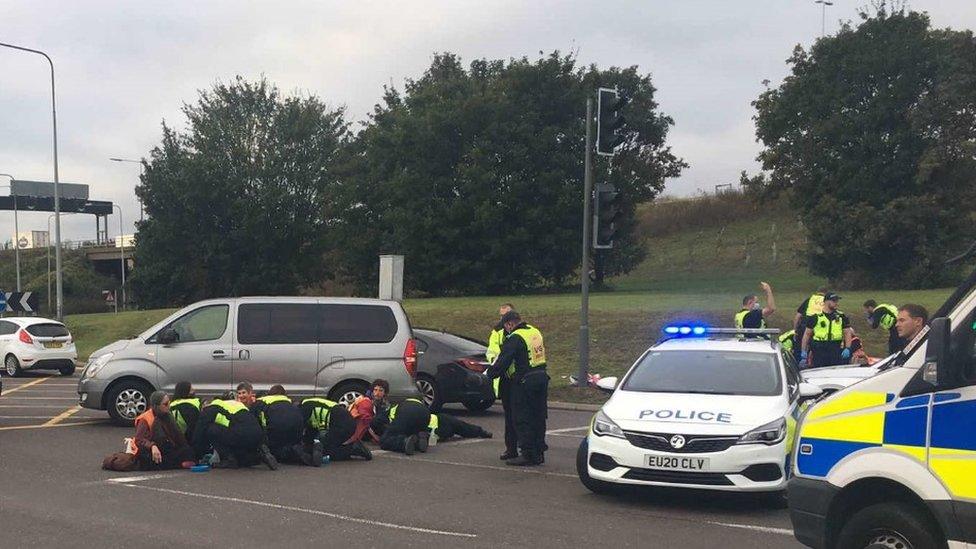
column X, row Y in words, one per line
column 592, row 484
column 127, row 400
column 12, row 366
column 348, row 391
column 67, row 370
column 430, row 392
column 888, row 525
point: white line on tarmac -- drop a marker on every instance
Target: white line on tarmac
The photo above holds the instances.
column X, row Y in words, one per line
column 509, row 468
column 142, row 478
column 367, row 522
column 564, row 435
column 59, row 407
column 5, row 398
column 567, row 430
column 753, row 527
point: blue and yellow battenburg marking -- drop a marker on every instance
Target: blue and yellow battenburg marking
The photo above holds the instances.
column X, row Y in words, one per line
column 857, row 421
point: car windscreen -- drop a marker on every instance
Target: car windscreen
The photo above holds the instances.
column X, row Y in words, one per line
column 47, row 330
column 457, row 343
column 706, row 372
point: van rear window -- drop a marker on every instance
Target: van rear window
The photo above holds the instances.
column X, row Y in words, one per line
column 296, row 323
column 47, row 330
column 357, row 324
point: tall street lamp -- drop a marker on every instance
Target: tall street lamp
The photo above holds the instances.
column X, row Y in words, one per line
column 49, row 259
column 823, row 15
column 16, row 227
column 57, row 186
column 121, row 253
column 140, row 170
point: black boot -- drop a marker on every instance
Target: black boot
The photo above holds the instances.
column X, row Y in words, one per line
column 265, row 454
column 525, row 461
column 410, row 445
column 423, row 441
column 509, row 454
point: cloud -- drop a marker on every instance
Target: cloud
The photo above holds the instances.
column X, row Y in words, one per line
column 123, row 67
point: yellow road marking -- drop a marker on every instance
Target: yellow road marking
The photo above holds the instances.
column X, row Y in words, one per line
column 28, row 384
column 46, row 426
column 62, row 416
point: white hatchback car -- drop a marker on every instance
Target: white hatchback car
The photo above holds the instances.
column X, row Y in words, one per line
column 704, row 408
column 29, row 343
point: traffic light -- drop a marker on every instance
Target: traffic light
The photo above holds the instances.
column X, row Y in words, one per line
column 606, row 212
column 609, row 122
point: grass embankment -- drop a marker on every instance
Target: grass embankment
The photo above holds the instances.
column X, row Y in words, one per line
column 703, row 256
column 622, row 324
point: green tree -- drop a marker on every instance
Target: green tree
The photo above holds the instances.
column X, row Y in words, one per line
column 872, row 135
column 475, row 174
column 235, row 203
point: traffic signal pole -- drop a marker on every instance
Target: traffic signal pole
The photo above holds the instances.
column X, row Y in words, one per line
column 584, row 334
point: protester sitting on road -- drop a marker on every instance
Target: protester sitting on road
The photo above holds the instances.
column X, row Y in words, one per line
column 246, row 394
column 282, row 422
column 185, row 408
column 407, row 431
column 447, row 426
column 381, row 408
column 330, row 430
column 911, row 319
column 753, row 314
column 159, row 442
column 234, row 433
column 361, row 411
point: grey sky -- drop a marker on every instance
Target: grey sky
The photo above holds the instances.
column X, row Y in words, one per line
column 123, row 67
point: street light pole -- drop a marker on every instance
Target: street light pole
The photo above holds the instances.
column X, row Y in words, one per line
column 121, row 253
column 16, row 228
column 823, row 15
column 141, row 170
column 57, row 186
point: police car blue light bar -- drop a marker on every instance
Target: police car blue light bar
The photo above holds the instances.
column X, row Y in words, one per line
column 699, row 330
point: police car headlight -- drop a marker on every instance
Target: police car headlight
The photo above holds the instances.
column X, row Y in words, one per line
column 96, row 364
column 604, row 426
column 771, row 433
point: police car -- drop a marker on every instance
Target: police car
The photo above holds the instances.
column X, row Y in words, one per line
column 705, row 408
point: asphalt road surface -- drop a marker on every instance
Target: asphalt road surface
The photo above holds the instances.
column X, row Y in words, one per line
column 54, row 494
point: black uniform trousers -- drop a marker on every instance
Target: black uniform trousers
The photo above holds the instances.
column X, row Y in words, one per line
column 240, row 440
column 449, row 426
column 341, row 426
column 530, row 408
column 284, row 431
column 411, row 418
column 825, row 353
column 505, row 392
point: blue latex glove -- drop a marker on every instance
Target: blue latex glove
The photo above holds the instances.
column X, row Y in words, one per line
column 846, row 353
column 803, row 356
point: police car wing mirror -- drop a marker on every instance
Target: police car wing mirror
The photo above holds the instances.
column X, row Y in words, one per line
column 168, row 336
column 607, row 384
column 810, row 390
column 937, row 368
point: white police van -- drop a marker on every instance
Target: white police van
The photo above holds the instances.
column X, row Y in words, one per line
column 890, row 461
column 703, row 408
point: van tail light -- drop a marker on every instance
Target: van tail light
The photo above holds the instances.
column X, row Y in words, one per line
column 473, row 364
column 24, row 337
column 410, row 357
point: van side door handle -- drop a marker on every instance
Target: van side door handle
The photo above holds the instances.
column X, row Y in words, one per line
column 218, row 354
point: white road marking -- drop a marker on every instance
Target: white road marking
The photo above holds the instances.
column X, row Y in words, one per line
column 5, row 398
column 753, row 527
column 61, row 407
column 141, row 478
column 564, row 435
column 367, row 522
column 567, row 430
column 45, row 426
column 508, row 468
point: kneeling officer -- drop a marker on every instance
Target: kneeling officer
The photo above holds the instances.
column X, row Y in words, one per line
column 408, row 428
column 282, row 422
column 328, row 428
column 234, row 434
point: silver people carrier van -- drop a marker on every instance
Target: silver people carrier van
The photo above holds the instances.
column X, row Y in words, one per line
column 331, row 347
